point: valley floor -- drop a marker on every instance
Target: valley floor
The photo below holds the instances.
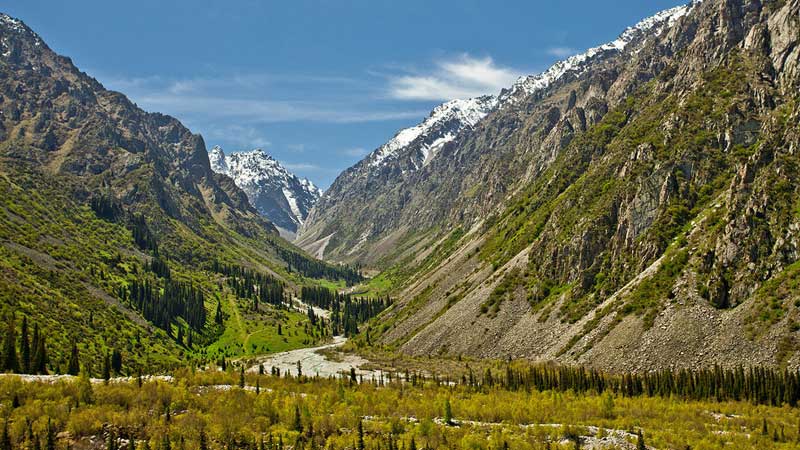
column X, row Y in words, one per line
column 224, row 410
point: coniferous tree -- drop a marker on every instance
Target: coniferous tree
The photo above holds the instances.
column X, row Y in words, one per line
column 640, row 445
column 40, row 356
column 24, row 347
column 297, row 424
column 241, row 377
column 111, row 444
column 116, row 361
column 73, row 368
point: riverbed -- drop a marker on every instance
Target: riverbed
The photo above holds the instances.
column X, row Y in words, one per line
column 315, row 363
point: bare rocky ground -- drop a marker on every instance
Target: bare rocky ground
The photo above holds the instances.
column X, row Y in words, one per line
column 314, row 361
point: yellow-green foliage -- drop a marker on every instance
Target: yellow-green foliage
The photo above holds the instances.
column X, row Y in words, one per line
column 330, row 411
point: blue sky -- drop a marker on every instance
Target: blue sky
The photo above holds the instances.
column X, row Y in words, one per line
column 317, row 84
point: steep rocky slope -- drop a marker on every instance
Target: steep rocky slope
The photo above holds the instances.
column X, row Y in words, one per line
column 648, row 211
column 276, row 193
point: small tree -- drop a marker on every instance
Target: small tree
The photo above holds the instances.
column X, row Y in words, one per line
column 297, row 424
column 448, row 412
column 640, row 445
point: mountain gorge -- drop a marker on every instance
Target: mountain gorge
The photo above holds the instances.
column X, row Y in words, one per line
column 273, row 191
column 633, row 207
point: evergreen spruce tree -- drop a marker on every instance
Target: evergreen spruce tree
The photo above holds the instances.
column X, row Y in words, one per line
column 241, row 377
column 40, row 356
column 116, row 362
column 106, row 367
column 24, row 347
column 111, row 444
column 73, row 368
column 448, row 413
column 297, row 424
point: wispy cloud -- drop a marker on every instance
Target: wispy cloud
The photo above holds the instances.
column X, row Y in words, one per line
column 261, row 98
column 460, row 77
column 355, row 152
column 561, row 52
column 268, row 111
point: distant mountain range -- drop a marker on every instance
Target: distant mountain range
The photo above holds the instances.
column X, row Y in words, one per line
column 276, row 193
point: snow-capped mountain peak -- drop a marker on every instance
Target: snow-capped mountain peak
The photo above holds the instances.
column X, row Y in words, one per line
column 275, row 192
column 439, row 128
column 578, row 63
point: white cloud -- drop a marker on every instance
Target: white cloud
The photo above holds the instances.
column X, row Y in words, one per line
column 460, row 77
column 561, row 52
column 355, row 152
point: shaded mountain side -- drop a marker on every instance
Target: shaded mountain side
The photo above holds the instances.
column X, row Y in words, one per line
column 663, row 232
column 116, row 234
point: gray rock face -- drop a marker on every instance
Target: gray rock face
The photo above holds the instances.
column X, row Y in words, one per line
column 276, row 193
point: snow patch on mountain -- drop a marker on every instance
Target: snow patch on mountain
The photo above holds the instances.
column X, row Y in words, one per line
column 276, row 193
column 577, row 64
column 441, row 127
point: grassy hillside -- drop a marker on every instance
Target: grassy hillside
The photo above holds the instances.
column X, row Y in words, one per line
column 63, row 268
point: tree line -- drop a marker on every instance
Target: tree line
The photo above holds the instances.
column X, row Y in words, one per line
column 252, row 285
column 26, row 354
column 313, row 268
column 164, row 306
column 347, row 311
